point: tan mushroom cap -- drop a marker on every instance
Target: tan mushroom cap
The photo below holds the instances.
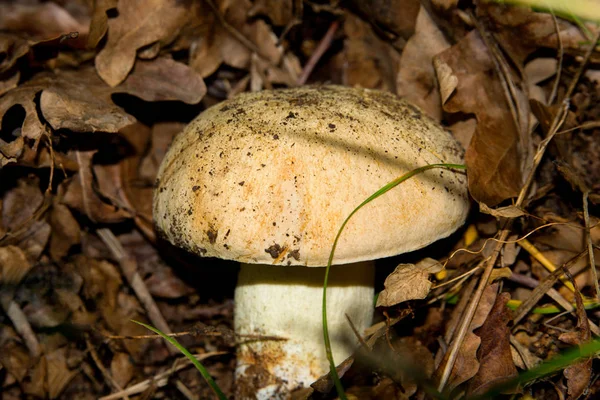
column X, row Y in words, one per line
column 269, row 177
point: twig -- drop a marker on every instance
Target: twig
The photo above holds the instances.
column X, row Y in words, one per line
column 129, row 269
column 470, row 312
column 561, row 53
column 318, row 53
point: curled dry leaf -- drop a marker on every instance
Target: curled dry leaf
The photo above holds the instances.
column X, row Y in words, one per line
column 139, row 23
column 10, row 152
column 417, row 80
column 408, row 282
column 493, row 156
column 495, row 358
column 502, row 212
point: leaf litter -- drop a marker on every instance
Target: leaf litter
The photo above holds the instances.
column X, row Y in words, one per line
column 92, row 95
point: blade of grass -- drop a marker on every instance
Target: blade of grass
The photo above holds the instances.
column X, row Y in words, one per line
column 190, row 357
column 334, row 375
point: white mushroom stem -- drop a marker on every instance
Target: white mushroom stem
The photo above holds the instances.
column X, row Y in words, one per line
column 286, row 301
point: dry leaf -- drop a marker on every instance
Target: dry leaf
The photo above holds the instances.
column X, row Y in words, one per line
column 65, row 231
column 417, row 80
column 448, row 81
column 493, row 156
column 14, row 265
column 395, row 16
column 496, row 364
column 502, row 212
column 80, row 194
column 41, row 21
column 467, row 364
column 164, row 79
column 279, row 12
column 369, row 62
column 99, row 22
column 10, row 152
column 121, row 368
column 578, row 375
column 408, row 282
column 139, row 23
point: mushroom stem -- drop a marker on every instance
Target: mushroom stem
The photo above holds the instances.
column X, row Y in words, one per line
column 287, row 302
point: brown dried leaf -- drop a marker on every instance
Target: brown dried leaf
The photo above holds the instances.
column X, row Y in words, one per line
column 21, row 203
column 368, row 61
column 493, row 156
column 467, row 364
column 217, row 45
column 496, row 364
column 80, row 194
column 41, row 21
column 162, row 135
column 24, row 95
column 502, row 212
column 164, row 79
column 10, row 152
column 417, row 79
column 395, row 16
column 280, row 12
column 11, row 49
column 522, row 30
column 58, row 374
column 65, row 231
column 139, row 23
column 81, row 102
column 121, row 368
column 14, row 265
column 15, row 357
column 99, row 22
column 579, row 374
column 408, row 282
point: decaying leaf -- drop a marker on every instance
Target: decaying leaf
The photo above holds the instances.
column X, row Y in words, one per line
column 364, row 51
column 14, row 265
column 578, row 375
column 394, row 16
column 138, row 24
column 81, row 195
column 467, row 364
column 502, row 212
column 493, row 156
column 65, row 231
column 495, row 358
column 416, row 79
column 408, row 282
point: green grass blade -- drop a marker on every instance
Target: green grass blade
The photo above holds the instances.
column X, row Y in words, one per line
column 190, row 357
column 334, row 375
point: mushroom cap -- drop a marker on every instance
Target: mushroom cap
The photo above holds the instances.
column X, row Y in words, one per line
column 269, row 177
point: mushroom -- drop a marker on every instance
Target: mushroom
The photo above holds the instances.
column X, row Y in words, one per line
column 267, row 179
